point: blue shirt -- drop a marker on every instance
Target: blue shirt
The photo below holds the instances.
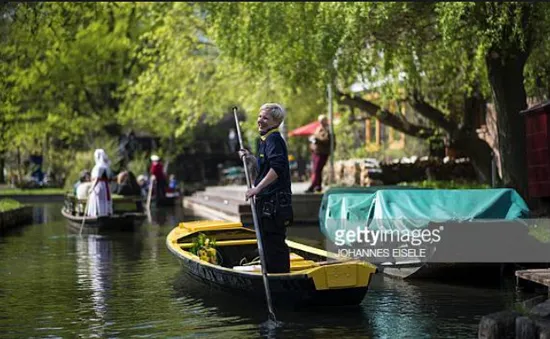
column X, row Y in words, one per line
column 273, row 153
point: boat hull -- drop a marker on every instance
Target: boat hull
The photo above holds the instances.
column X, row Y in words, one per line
column 316, row 283
column 117, row 222
column 291, row 290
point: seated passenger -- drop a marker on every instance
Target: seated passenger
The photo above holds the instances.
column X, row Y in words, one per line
column 85, row 176
column 143, row 185
column 172, row 183
column 83, row 191
column 127, row 184
column 83, row 186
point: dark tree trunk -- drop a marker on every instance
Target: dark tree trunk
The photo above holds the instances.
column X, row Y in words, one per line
column 479, row 153
column 2, row 164
column 19, row 170
column 463, row 138
column 506, row 80
column 468, row 142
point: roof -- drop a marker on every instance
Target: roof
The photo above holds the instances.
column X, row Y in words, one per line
column 539, row 108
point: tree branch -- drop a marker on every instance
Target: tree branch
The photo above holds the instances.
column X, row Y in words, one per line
column 384, row 116
column 431, row 113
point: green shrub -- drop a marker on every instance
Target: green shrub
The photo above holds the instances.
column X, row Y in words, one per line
column 540, row 233
column 32, row 191
column 140, row 164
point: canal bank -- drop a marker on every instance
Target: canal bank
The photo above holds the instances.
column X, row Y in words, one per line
column 529, row 319
column 13, row 214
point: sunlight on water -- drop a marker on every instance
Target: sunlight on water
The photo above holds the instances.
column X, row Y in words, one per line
column 57, row 283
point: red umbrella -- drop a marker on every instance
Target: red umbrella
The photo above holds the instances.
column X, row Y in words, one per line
column 305, row 130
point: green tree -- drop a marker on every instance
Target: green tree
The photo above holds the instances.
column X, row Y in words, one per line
column 505, row 35
column 437, row 57
column 188, row 83
column 63, row 65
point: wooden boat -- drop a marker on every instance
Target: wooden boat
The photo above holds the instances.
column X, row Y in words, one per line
column 128, row 214
column 170, row 199
column 468, row 221
column 317, row 277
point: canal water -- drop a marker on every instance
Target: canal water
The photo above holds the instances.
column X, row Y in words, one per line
column 55, row 283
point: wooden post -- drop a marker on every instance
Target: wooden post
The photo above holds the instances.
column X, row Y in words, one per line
column 377, row 132
column 331, row 132
column 367, row 132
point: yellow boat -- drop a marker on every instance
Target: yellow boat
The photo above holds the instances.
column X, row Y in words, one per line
column 317, row 277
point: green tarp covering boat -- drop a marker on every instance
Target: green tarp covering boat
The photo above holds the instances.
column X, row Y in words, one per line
column 401, row 208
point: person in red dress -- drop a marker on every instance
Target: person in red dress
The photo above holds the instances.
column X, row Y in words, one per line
column 157, row 172
column 320, row 153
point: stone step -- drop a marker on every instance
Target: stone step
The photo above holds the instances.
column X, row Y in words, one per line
column 223, row 198
column 233, row 209
column 229, row 200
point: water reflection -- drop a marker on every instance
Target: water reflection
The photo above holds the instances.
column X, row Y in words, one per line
column 421, row 309
column 94, row 256
column 168, row 215
column 45, row 213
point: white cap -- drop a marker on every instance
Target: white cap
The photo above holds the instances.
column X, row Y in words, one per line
column 155, row 157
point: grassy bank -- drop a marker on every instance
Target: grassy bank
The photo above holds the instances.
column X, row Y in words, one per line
column 35, row 191
column 451, row 184
column 9, row 204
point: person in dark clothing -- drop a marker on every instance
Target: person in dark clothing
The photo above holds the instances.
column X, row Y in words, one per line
column 157, row 171
column 271, row 189
column 320, row 153
column 127, row 184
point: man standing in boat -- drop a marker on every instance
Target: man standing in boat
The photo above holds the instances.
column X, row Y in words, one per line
column 271, row 188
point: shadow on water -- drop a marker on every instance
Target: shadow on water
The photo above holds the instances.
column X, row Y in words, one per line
column 303, row 322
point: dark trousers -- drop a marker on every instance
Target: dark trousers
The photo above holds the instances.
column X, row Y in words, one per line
column 319, row 161
column 274, row 219
column 160, row 189
column 276, row 252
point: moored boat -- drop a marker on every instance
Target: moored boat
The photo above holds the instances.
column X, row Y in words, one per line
column 127, row 214
column 172, row 198
column 317, row 277
column 468, row 234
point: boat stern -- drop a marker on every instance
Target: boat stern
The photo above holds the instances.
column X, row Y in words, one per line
column 344, row 275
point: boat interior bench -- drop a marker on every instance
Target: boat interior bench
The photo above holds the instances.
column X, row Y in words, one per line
column 121, row 204
column 232, row 253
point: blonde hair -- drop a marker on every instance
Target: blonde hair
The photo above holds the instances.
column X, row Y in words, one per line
column 277, row 111
column 321, row 117
column 121, row 176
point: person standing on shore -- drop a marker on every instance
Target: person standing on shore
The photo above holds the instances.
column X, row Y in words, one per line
column 320, row 152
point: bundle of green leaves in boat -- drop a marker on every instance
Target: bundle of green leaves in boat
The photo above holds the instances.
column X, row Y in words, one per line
column 205, row 248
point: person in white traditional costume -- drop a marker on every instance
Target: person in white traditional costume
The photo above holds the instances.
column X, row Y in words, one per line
column 100, row 202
